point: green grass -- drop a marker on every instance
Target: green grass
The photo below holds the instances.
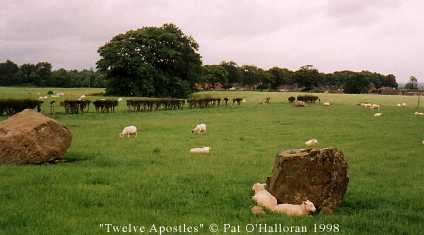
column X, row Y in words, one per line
column 153, row 179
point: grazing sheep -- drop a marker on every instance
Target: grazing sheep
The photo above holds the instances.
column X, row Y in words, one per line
column 200, row 150
column 419, row 114
column 377, row 114
column 128, row 131
column 262, row 197
column 403, row 104
column 199, row 129
column 311, row 142
column 295, row 210
column 326, row 103
column 299, row 103
column 257, row 210
column 422, row 142
column 399, row 105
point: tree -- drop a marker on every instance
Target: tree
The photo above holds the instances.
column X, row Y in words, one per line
column 412, row 84
column 233, row 72
column 151, row 61
column 307, row 77
column 279, row 76
column 356, row 83
column 251, row 76
column 213, row 74
column 8, row 73
column 390, row 81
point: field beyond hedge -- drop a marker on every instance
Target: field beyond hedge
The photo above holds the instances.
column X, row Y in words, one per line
column 154, row 180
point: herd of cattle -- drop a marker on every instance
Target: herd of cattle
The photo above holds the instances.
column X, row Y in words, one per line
column 145, row 105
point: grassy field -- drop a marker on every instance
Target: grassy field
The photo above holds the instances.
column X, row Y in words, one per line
column 152, row 179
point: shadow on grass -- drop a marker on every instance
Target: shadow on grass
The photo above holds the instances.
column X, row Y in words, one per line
column 75, row 157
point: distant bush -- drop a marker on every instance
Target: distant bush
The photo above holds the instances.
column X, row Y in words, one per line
column 291, row 99
column 12, row 106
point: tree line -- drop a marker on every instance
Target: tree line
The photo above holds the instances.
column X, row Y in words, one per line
column 306, row 78
column 42, row 75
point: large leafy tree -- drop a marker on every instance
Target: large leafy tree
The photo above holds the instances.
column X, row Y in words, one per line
column 151, row 61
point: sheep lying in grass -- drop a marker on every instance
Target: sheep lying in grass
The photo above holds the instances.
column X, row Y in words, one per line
column 378, row 114
column 326, row 103
column 418, row 114
column 370, row 106
column 199, row 129
column 311, row 142
column 129, row 131
column 305, row 208
column 262, row 197
column 257, row 210
column 299, row 103
column 200, row 150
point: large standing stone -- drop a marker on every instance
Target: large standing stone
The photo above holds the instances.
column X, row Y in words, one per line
column 31, row 137
column 319, row 175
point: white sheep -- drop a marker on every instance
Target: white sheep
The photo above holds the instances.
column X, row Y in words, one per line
column 419, row 114
column 295, row 210
column 422, row 142
column 200, row 150
column 378, row 114
column 326, row 103
column 311, row 142
column 403, row 104
column 299, row 103
column 262, row 197
column 257, row 210
column 199, row 129
column 399, row 105
column 120, row 99
column 128, row 131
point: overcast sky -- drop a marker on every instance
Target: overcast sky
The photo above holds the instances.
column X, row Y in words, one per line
column 379, row 35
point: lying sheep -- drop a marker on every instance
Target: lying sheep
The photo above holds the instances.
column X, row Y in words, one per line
column 418, row 114
column 311, row 142
column 262, row 197
column 299, row 103
column 326, row 103
column 199, row 129
column 200, row 150
column 257, row 210
column 377, row 114
column 305, row 208
column 128, row 131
